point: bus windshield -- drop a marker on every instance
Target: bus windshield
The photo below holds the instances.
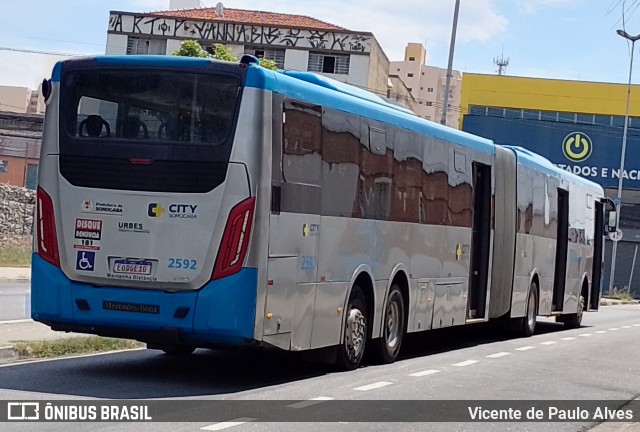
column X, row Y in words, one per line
column 149, row 105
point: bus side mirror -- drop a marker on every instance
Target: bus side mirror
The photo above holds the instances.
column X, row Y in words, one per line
column 611, row 214
column 612, row 225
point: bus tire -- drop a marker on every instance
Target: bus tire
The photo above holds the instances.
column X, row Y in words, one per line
column 356, row 326
column 574, row 321
column 528, row 322
column 386, row 349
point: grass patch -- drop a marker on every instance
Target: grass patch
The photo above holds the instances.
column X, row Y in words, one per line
column 15, row 256
column 70, row 346
column 621, row 296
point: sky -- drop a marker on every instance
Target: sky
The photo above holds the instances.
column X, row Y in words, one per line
column 563, row 39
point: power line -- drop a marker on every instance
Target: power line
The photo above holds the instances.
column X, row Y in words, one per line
column 41, row 52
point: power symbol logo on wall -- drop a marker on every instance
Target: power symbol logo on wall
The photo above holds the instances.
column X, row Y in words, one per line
column 577, row 146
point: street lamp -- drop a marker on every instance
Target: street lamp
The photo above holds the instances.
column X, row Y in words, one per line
column 445, row 108
column 614, row 251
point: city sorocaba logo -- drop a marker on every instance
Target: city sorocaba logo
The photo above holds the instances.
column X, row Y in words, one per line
column 577, row 146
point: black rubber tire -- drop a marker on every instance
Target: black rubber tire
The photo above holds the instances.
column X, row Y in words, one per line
column 386, row 349
column 528, row 322
column 574, row 321
column 346, row 358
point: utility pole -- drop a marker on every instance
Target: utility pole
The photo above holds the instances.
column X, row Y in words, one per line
column 445, row 106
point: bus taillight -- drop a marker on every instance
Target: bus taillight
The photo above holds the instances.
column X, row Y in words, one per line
column 235, row 240
column 47, row 240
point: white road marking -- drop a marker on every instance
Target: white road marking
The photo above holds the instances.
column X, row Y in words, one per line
column 601, row 331
column 498, row 355
column 636, row 325
column 310, row 402
column 569, row 338
column 373, row 386
column 614, row 329
column 228, row 424
column 585, row 335
column 626, row 326
column 548, row 343
column 525, row 348
column 425, row 373
column 465, row 363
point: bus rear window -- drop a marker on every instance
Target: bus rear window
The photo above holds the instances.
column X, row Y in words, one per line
column 153, row 105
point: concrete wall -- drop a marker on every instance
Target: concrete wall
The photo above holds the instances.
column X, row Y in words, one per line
column 116, row 44
column 296, row 59
column 378, row 71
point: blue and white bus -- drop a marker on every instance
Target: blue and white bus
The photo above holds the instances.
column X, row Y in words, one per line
column 191, row 203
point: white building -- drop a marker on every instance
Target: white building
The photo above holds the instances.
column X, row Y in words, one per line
column 427, row 85
column 21, row 100
column 294, row 42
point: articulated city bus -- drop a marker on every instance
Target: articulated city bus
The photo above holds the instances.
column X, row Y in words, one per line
column 195, row 203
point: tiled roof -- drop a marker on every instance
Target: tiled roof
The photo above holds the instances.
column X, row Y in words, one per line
column 248, row 17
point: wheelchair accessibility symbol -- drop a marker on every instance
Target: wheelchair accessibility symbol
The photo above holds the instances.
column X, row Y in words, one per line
column 85, row 260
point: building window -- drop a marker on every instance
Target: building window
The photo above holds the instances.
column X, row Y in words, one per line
column 409, row 90
column 429, row 103
column 398, row 69
column 4, row 166
column 270, row 54
column 428, row 117
column 146, row 46
column 410, row 75
column 430, row 89
column 412, row 59
column 333, row 64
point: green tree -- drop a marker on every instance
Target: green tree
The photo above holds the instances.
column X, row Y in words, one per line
column 221, row 52
column 268, row 64
column 191, row 48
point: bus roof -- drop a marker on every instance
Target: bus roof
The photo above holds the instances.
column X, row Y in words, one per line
column 324, row 91
column 542, row 164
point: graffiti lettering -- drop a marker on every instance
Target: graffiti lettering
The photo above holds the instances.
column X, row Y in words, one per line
column 238, row 33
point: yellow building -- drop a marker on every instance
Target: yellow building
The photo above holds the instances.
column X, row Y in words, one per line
column 576, row 125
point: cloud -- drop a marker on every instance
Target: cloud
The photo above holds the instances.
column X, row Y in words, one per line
column 395, row 26
column 531, row 7
column 26, row 70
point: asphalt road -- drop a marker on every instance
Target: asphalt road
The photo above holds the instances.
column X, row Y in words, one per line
column 15, row 301
column 595, row 362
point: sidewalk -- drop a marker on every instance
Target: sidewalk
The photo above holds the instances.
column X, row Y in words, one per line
column 15, row 274
column 25, row 330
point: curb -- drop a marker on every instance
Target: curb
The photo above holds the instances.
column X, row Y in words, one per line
column 606, row 302
column 15, row 280
column 8, row 353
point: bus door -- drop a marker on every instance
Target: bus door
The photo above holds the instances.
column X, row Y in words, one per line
column 598, row 241
column 562, row 247
column 480, row 241
column 295, row 220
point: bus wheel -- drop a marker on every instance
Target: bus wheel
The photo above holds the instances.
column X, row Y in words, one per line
column 574, row 321
column 528, row 325
column 351, row 350
column 386, row 348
